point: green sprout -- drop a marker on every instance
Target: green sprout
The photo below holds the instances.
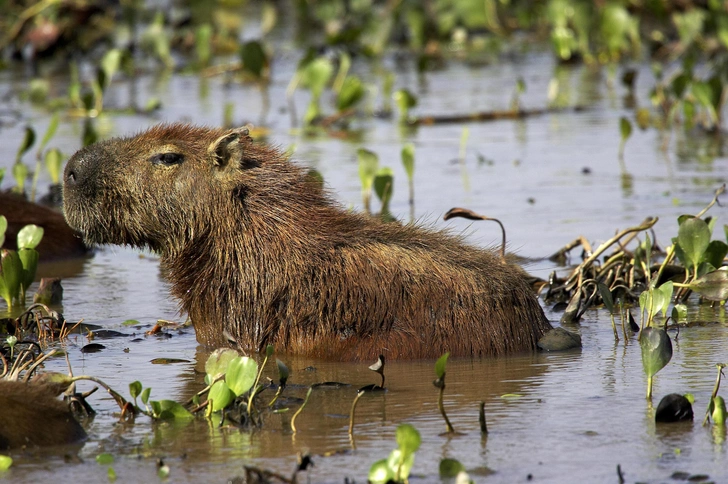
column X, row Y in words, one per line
column 398, row 466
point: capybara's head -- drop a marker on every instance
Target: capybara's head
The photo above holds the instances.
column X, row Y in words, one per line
column 158, row 189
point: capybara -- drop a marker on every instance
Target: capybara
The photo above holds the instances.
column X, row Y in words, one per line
column 59, row 240
column 259, row 254
column 32, row 415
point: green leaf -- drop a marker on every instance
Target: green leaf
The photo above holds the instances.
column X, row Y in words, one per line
column 135, row 389
column 145, row 395
column 269, row 349
column 220, row 395
column 53, row 163
column 218, row 362
column 703, row 92
column 664, row 293
column 606, row 296
column 5, row 462
column 254, row 58
column 715, row 253
column 316, row 74
column 29, row 261
column 171, row 410
column 50, row 132
column 111, row 474
column 110, row 63
column 693, row 236
column 656, row 350
column 405, row 101
column 401, row 464
column 12, row 272
column 27, row 143
column 30, row 236
column 368, row 164
column 105, row 458
column 240, row 374
column 283, row 372
column 440, row 365
column 408, row 160
column 625, row 128
column 20, row 174
column 719, row 410
column 408, row 439
column 713, row 285
column 203, row 43
column 3, row 229
column 450, row 468
column 679, row 313
column 352, row 91
column 131, row 322
column 383, row 187
column 380, row 472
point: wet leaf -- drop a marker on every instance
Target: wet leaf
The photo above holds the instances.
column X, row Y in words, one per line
column 5, row 462
column 269, row 349
column 135, row 388
column 719, row 410
column 440, row 366
column 254, row 58
column 450, row 468
column 408, row 160
column 218, row 362
column 679, row 313
column 282, row 372
column 368, row 164
column 53, row 163
column 145, row 395
column 29, row 260
column 408, row 439
column 643, row 118
column 693, row 236
column 20, row 174
column 715, row 253
column 625, row 128
column 606, row 296
column 220, row 395
column 316, row 75
column 713, row 285
column 12, row 271
column 401, row 464
column 240, row 374
column 171, row 410
column 168, row 361
column 203, row 44
column 111, row 474
column 383, row 186
column 27, row 143
column 30, row 236
column 51, row 131
column 110, row 63
column 105, row 458
column 380, row 472
column 352, row 91
column 131, row 322
column 405, row 101
column 3, row 229
column 656, row 350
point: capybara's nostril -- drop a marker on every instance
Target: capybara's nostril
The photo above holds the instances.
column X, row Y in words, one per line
column 71, row 177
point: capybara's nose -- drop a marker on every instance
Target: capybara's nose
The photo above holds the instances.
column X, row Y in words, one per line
column 80, row 174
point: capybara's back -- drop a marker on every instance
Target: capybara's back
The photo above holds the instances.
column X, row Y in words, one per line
column 32, row 415
column 259, row 254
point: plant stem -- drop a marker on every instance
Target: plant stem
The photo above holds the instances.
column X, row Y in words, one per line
column 720, row 367
column 300, row 409
column 442, row 410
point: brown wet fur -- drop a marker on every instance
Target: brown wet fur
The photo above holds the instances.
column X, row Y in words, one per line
column 32, row 415
column 59, row 240
column 259, row 254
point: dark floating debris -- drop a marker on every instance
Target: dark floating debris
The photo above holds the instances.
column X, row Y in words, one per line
column 674, row 408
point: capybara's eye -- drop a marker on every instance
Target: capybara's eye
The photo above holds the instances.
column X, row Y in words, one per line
column 167, row 159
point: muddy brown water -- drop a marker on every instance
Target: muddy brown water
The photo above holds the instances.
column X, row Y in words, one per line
column 569, row 417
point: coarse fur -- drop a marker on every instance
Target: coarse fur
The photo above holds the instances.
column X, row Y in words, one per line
column 32, row 415
column 259, row 254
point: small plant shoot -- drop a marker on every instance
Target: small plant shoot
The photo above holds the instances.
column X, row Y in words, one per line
column 656, row 353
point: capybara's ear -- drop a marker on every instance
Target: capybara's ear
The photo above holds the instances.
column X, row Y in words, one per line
column 228, row 149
